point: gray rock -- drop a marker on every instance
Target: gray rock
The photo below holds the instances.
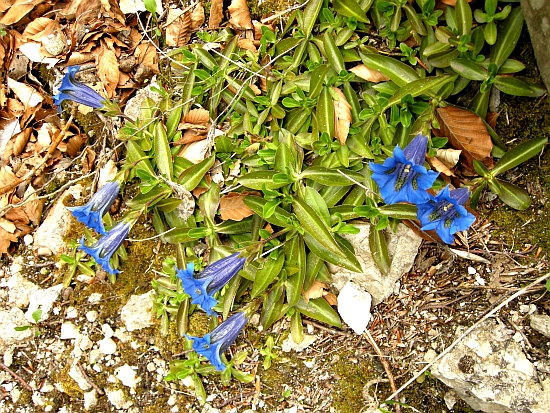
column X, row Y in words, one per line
column 402, row 247
column 537, row 16
column 20, row 290
column 56, row 225
column 43, row 300
column 8, row 321
column 137, row 313
column 354, row 306
column 541, row 323
column 489, row 371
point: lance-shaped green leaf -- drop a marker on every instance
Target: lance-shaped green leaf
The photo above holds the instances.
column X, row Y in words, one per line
column 476, row 194
column 310, row 16
column 469, row 70
column 319, row 309
column 350, row 8
column 285, row 157
column 182, row 317
column 256, row 180
column 519, row 154
column 397, row 71
column 296, row 327
column 463, row 17
column 514, row 196
column 317, row 80
column 163, row 156
column 515, row 87
column 399, row 211
column 187, row 91
column 267, row 274
column 173, row 120
column 481, row 169
column 325, row 113
column 192, row 176
column 136, row 157
column 317, row 203
column 419, row 87
column 314, row 225
column 508, row 36
column 295, row 251
column 349, row 261
column 280, row 217
column 272, row 306
column 379, row 250
column 332, row 53
column 314, row 266
column 331, row 177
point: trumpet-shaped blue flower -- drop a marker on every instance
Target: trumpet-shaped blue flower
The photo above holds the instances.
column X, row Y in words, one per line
column 76, row 91
column 446, row 214
column 103, row 250
column 403, row 177
column 91, row 214
column 214, row 344
column 205, row 284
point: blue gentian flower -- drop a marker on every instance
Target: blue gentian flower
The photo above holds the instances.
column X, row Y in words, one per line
column 92, row 213
column 103, row 250
column 205, row 284
column 76, row 91
column 214, row 344
column 403, row 177
column 446, row 213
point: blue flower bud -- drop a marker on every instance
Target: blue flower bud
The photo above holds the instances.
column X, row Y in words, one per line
column 103, row 250
column 76, row 91
column 91, row 214
column 214, row 344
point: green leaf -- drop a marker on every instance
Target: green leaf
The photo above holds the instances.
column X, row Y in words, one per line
column 463, row 17
column 519, row 154
column 319, row 309
column 317, row 203
column 399, row 211
column 296, row 327
column 150, row 5
column 476, row 194
column 295, row 251
column 136, row 157
column 280, row 217
column 398, row 72
column 37, row 315
column 163, row 156
column 349, row 261
column 313, row 225
column 468, row 69
column 379, row 250
column 331, row 177
column 256, row 180
column 513, row 86
column 514, row 196
column 508, row 37
column 419, row 87
column 325, row 113
column 332, row 53
column 481, row 169
column 192, row 176
column 267, row 274
column 310, row 16
column 272, row 307
column 350, row 8
column 317, row 80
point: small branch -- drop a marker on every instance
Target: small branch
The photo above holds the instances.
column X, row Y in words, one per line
column 385, row 363
column 16, row 376
column 90, row 382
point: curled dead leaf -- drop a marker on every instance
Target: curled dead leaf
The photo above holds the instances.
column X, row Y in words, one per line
column 216, row 14
column 342, row 116
column 197, row 116
column 317, row 290
column 371, row 75
column 449, row 157
column 246, row 44
column 28, row 96
column 240, row 15
column 197, row 17
column 440, row 167
column 232, row 206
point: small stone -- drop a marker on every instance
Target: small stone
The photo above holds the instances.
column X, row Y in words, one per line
column 85, row 343
column 209, row 409
column 541, row 323
column 95, row 355
column 44, row 252
column 47, row 387
column 118, row 399
column 107, row 346
column 90, row 400
column 95, row 298
column 151, row 367
column 20, row 289
column 289, row 344
column 471, row 270
column 84, row 279
column 430, row 356
column 68, row 331
column 71, row 313
column 43, row 300
column 27, row 239
column 354, row 306
column 92, row 316
column 137, row 313
column 107, row 330
column 15, row 394
column 76, row 374
column 127, row 375
column 172, row 400
column 8, row 335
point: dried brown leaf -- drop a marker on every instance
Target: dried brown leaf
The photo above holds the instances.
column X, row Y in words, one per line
column 15, row 108
column 28, row 96
column 197, row 17
column 74, row 144
column 491, row 119
column 107, row 69
column 240, row 15
column 147, row 56
column 88, row 160
column 19, row 10
column 17, row 216
column 197, row 116
column 331, row 299
column 317, row 290
column 232, row 206
column 178, row 27
column 246, row 44
column 371, row 75
column 16, row 145
column 342, row 116
column 439, row 166
column 449, row 157
column 467, row 132
column 216, row 14
column 35, row 29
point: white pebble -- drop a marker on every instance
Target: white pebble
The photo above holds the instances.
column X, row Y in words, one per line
column 68, row 331
column 92, row 316
column 71, row 313
column 471, row 270
column 95, row 298
column 27, row 239
column 107, row 346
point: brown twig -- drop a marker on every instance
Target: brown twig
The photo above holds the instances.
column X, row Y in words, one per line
column 90, row 382
column 16, row 376
column 385, row 363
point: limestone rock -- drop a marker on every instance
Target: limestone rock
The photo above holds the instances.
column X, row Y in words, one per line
column 8, row 321
column 489, row 371
column 127, row 375
column 289, row 344
column 402, row 247
column 78, row 377
column 137, row 313
column 56, row 225
column 20, row 290
column 537, row 16
column 354, row 306
column 43, row 299
column 541, row 323
column 118, row 399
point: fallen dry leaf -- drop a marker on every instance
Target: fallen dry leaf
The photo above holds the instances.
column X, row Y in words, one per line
column 371, row 75
column 197, row 116
column 331, row 299
column 19, row 10
column 240, row 15
column 107, row 69
column 178, row 27
column 342, row 116
column 216, row 14
column 467, row 132
column 449, row 157
column 35, row 29
column 440, row 167
column 34, row 206
column 197, row 17
column 196, row 151
column 246, row 44
column 232, row 206
column 28, row 96
column 317, row 290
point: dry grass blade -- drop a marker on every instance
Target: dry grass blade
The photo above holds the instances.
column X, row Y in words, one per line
column 467, row 132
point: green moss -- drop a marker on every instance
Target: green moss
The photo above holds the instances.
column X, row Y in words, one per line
column 262, row 9
column 70, row 386
column 352, row 378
